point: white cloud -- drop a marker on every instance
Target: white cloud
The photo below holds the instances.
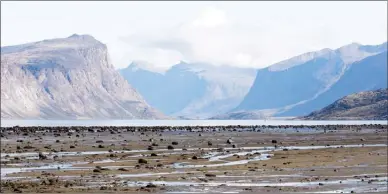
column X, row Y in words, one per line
column 215, row 38
column 254, row 34
column 210, row 37
column 210, row 17
column 243, row 59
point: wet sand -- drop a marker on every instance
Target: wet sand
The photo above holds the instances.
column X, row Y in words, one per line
column 214, row 159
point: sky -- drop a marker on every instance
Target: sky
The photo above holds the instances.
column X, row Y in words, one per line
column 244, row 34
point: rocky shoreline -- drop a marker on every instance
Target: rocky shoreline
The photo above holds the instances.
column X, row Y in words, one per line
column 78, row 129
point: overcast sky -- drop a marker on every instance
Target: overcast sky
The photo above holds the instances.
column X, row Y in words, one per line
column 246, row 34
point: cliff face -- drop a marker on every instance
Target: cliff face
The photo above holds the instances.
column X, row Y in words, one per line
column 66, row 78
column 370, row 105
column 297, row 86
column 365, row 75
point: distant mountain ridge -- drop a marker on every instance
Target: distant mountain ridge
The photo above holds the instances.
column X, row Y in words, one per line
column 311, row 81
column 365, row 75
column 369, row 105
column 191, row 90
column 66, row 78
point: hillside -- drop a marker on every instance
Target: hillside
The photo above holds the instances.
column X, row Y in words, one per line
column 370, row 105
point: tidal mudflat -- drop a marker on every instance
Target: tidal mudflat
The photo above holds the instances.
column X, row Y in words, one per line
column 196, row 159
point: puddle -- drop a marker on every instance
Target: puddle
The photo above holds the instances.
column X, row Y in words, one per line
column 34, row 155
column 258, row 176
column 239, row 162
column 5, row 171
column 358, row 189
column 381, row 180
column 67, row 166
column 154, row 174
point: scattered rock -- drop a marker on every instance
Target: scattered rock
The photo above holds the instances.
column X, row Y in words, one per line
column 123, row 169
column 150, row 185
column 142, row 161
column 41, row 156
column 210, row 175
column 97, row 170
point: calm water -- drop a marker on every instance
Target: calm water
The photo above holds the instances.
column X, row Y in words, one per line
column 10, row 123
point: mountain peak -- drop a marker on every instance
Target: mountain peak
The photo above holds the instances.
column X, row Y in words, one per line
column 181, row 63
column 351, row 46
column 354, row 52
column 73, row 41
column 300, row 59
column 192, row 67
column 74, row 36
column 144, row 65
column 82, row 37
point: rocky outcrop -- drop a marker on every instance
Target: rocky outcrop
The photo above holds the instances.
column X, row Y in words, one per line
column 66, row 78
column 370, row 105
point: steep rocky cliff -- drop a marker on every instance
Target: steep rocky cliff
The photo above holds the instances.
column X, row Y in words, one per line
column 66, row 78
column 311, row 81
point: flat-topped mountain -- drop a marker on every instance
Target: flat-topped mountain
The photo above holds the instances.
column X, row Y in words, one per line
column 66, row 78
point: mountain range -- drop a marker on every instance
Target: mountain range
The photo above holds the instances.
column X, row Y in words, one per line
column 73, row 78
column 313, row 80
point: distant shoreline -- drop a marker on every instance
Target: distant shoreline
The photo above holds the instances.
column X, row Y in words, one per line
column 183, row 123
column 233, row 128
